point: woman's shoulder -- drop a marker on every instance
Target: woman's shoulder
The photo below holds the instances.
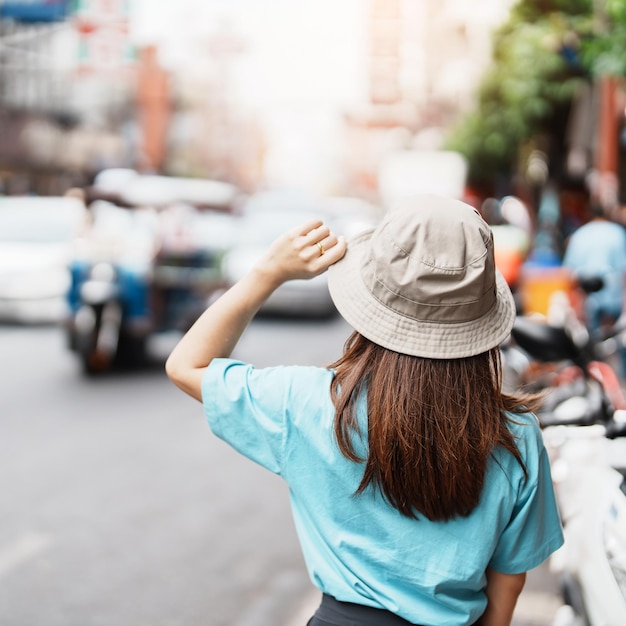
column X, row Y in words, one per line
column 307, row 376
column 526, row 431
column 288, row 369
column 524, row 425
column 523, row 419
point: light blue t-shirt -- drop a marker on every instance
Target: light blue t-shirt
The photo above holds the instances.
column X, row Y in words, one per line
column 359, row 548
column 598, row 248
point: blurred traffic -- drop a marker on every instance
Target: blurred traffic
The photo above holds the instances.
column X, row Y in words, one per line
column 191, row 153
column 37, row 239
column 151, row 150
column 159, row 249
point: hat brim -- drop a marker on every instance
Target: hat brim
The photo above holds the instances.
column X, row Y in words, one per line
column 395, row 331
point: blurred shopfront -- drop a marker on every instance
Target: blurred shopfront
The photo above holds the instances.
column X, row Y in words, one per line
column 61, row 117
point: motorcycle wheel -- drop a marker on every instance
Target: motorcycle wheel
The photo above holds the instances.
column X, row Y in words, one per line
column 131, row 351
column 97, row 334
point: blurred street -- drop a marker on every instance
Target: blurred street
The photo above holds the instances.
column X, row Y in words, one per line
column 152, row 150
column 121, row 508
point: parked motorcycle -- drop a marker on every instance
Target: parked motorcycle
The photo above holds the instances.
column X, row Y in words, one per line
column 583, row 417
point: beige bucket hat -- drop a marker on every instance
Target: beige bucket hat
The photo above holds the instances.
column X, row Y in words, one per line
column 424, row 282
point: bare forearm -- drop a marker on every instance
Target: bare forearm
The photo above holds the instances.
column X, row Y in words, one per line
column 217, row 331
column 304, row 252
column 502, row 591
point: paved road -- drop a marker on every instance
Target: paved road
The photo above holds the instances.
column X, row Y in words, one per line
column 119, row 508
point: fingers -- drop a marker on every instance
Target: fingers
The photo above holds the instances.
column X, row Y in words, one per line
column 334, row 252
column 316, row 246
column 304, row 252
column 316, row 234
column 326, row 244
column 304, row 229
column 318, row 242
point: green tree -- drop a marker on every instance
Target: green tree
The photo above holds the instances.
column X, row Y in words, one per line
column 605, row 52
column 524, row 97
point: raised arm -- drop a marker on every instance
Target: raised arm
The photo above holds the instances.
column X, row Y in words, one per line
column 303, row 252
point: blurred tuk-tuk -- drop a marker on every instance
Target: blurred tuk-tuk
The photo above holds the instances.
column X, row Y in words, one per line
column 149, row 263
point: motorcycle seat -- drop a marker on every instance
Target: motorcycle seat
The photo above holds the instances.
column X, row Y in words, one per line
column 542, row 341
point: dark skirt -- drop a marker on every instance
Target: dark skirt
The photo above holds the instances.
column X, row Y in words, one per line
column 332, row 612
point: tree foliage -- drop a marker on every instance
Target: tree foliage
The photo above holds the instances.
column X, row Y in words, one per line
column 605, row 52
column 541, row 54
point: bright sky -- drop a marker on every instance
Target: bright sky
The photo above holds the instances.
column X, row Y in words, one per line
column 305, row 63
column 295, row 49
column 302, row 66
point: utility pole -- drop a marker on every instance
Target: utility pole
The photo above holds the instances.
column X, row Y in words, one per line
column 154, row 109
column 606, row 157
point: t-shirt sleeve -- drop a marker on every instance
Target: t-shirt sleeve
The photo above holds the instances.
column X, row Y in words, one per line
column 534, row 530
column 246, row 407
column 620, row 251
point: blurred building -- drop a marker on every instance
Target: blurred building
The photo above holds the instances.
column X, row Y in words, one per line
column 65, row 89
column 211, row 133
column 75, row 97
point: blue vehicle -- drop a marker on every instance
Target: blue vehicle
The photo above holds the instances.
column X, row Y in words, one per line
column 139, row 272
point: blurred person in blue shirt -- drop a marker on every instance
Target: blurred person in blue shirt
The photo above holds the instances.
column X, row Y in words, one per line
column 598, row 249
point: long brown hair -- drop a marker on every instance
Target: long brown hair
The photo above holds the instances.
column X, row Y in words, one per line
column 432, row 425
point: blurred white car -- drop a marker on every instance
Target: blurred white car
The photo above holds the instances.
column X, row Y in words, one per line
column 269, row 214
column 37, row 236
column 130, row 188
column 296, row 297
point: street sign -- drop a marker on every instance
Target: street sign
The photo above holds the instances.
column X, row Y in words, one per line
column 102, row 11
column 105, row 47
column 104, row 43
